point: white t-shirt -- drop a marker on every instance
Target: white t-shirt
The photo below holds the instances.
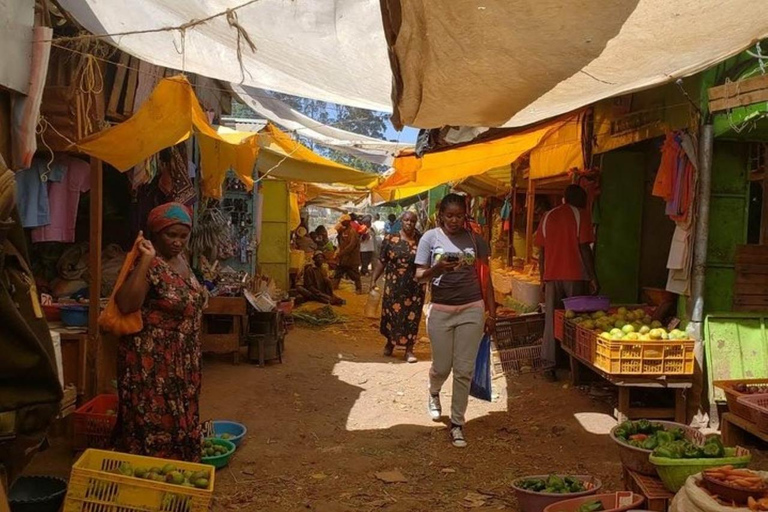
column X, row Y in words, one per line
column 369, row 244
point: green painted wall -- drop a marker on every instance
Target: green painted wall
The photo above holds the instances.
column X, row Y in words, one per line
column 727, row 222
column 617, row 252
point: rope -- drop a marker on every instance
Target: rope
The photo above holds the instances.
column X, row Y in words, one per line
column 241, row 34
column 183, row 27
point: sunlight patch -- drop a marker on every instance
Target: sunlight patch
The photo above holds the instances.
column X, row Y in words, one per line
column 395, row 393
column 595, row 422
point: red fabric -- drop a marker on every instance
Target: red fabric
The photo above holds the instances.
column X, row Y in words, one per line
column 562, row 258
column 670, row 152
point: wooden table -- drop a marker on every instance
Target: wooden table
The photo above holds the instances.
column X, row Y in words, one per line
column 625, row 384
column 233, row 308
column 735, row 430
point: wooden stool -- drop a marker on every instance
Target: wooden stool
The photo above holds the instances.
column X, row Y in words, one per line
column 227, row 343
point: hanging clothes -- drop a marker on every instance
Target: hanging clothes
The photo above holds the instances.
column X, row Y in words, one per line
column 32, row 191
column 64, row 198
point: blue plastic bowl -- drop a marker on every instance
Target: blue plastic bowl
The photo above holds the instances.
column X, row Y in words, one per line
column 74, row 315
column 235, row 431
column 37, row 494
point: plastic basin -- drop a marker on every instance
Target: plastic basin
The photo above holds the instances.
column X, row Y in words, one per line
column 220, row 461
column 74, row 315
column 609, row 501
column 37, row 494
column 235, row 430
column 637, row 459
column 674, row 472
column 531, row 501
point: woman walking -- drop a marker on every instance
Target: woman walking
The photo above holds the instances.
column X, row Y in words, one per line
column 461, row 307
column 158, row 376
column 403, row 294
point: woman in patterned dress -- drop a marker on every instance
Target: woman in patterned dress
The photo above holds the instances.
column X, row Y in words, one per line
column 403, row 296
column 159, row 368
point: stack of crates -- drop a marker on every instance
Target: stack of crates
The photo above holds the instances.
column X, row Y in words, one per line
column 517, row 344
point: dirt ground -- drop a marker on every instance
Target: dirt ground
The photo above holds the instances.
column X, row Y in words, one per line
column 337, row 412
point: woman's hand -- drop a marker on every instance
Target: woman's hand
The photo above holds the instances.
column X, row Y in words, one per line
column 490, row 325
column 443, row 265
column 146, row 249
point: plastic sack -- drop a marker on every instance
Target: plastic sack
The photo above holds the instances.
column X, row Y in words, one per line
column 481, row 380
column 112, row 319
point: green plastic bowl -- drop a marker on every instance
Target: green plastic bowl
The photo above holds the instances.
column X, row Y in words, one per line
column 219, row 461
column 674, row 472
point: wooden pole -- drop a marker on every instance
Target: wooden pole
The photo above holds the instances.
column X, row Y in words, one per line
column 94, row 267
column 530, row 199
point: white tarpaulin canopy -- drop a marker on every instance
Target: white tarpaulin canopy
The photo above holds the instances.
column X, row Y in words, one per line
column 458, row 62
column 331, row 50
column 366, row 148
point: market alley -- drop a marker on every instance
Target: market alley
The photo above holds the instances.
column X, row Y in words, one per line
column 336, row 413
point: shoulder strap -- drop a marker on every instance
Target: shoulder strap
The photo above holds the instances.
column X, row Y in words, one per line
column 544, row 224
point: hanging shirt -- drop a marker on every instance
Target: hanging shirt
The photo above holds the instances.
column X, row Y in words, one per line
column 32, row 192
column 64, row 197
column 561, row 232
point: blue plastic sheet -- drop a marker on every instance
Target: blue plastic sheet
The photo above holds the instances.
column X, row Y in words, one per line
column 481, row 380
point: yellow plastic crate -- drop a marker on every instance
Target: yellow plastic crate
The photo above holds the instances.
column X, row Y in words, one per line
column 92, row 488
column 645, row 357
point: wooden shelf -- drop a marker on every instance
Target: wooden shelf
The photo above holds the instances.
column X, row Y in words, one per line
column 734, row 429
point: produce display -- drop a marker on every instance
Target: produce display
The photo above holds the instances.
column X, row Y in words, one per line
column 646, row 435
column 625, row 325
column 750, row 389
column 683, row 449
column 728, row 485
column 554, row 485
column 214, row 450
column 167, row 474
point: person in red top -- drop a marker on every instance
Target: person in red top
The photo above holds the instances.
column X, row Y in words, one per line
column 566, row 262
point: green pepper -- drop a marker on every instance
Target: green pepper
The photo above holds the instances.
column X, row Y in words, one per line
column 629, row 427
column 650, row 443
column 664, row 437
column 692, row 451
column 712, row 451
column 677, row 433
column 555, row 482
column 644, row 426
column 657, row 427
column 666, row 452
column 621, row 433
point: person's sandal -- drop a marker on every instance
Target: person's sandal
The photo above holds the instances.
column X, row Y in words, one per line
column 388, row 350
column 410, row 358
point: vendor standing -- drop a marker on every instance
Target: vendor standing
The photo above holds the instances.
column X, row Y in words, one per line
column 158, row 376
column 349, row 254
column 566, row 263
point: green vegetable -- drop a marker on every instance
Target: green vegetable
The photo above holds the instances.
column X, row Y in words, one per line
column 644, row 427
column 663, row 437
column 592, row 506
column 677, row 433
column 651, row 443
column 665, row 452
column 553, row 484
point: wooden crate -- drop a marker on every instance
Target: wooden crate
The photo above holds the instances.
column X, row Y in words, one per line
column 657, row 497
column 750, row 293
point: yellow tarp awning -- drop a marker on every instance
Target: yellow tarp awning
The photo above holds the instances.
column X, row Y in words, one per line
column 172, row 114
column 555, row 147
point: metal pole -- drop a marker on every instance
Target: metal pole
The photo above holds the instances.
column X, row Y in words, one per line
column 701, row 236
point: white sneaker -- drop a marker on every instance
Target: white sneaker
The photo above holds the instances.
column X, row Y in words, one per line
column 435, row 410
column 457, row 437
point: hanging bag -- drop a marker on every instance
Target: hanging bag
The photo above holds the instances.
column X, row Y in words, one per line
column 112, row 319
column 481, row 386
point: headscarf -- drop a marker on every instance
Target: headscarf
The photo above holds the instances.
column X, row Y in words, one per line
column 345, row 217
column 167, row 215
